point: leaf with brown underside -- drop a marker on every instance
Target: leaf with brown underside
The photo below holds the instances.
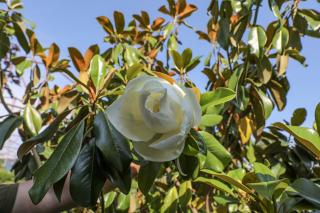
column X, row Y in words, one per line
column 77, row 59
column 189, row 9
column 157, row 23
column 106, row 24
column 53, row 56
column 119, row 21
column 283, row 61
column 91, row 51
column 165, row 77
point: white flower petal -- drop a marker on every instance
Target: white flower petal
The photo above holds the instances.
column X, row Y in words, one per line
column 192, row 106
column 125, row 116
column 160, row 155
column 161, row 113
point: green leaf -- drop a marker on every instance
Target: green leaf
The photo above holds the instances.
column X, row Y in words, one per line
column 210, row 120
column 32, row 119
column 311, row 17
column 257, row 40
column 4, row 45
column 185, row 193
column 219, row 96
column 266, row 189
column 215, row 184
column 188, row 166
column 86, row 180
column 20, row 68
column 223, row 36
column 186, row 57
column 123, row 202
column 177, row 59
column 57, row 166
column 168, row 29
column 170, row 202
column 97, row 71
column 194, row 144
column 216, row 152
column 229, row 180
column 21, row 37
column 234, row 79
column 298, row 117
column 263, row 173
column 267, row 104
column 44, row 136
column 147, row 174
column 7, row 126
column 109, row 198
column 134, row 70
column 308, row 138
column 112, row 144
column 308, row 190
column 317, row 118
column 131, row 55
column 193, row 63
column 281, row 39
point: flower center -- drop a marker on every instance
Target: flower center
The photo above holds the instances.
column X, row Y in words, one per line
column 153, row 101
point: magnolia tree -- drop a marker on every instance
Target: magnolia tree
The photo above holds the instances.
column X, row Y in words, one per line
column 135, row 103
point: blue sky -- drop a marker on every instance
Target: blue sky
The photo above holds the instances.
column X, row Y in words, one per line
column 72, row 23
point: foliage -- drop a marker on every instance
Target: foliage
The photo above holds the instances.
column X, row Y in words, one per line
column 231, row 162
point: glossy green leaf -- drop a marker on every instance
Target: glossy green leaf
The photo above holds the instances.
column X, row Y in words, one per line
column 20, row 68
column 219, row 96
column 21, row 37
column 185, row 193
column 210, row 120
column 186, row 56
column 123, row 202
column 4, row 45
column 215, row 184
column 60, row 162
column 32, row 119
column 266, row 189
column 177, row 59
column 281, row 39
column 229, row 180
column 267, row 104
column 134, row 70
column 109, row 198
column 257, row 40
column 188, row 166
column 170, row 202
column 131, row 55
column 168, row 29
column 311, row 18
column 7, row 126
column 215, row 148
column 223, row 36
column 112, row 144
column 263, row 173
column 298, row 117
column 44, row 136
column 147, row 175
column 308, row 138
column 308, row 190
column 97, row 71
column 86, row 180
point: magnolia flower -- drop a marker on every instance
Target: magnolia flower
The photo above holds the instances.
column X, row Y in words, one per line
column 156, row 115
